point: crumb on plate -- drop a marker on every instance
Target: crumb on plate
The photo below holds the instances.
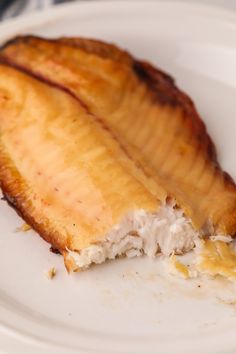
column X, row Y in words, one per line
column 51, row 273
column 25, row 227
column 178, row 267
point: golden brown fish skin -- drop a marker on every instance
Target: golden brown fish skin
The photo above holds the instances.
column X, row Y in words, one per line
column 48, row 144
column 180, row 151
column 94, row 46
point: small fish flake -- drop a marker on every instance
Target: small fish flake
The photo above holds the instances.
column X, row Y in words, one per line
column 51, row 273
column 217, row 258
column 178, row 268
column 25, row 227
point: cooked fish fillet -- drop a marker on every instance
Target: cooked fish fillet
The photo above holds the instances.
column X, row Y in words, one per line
column 74, row 183
column 157, row 123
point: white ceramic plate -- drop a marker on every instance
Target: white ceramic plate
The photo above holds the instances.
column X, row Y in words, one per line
column 126, row 306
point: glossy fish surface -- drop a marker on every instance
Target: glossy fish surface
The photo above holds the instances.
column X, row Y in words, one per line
column 157, row 122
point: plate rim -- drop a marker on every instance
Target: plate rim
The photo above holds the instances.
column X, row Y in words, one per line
column 55, row 13
column 39, row 17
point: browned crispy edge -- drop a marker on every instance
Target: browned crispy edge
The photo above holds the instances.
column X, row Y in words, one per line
column 14, row 194
column 162, row 86
column 158, row 81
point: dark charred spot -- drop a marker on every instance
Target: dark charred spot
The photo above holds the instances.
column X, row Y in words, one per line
column 10, row 199
column 54, row 250
column 160, row 84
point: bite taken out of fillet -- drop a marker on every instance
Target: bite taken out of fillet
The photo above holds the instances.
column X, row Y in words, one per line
column 156, row 122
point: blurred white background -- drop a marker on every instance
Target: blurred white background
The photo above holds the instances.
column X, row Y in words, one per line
column 12, row 8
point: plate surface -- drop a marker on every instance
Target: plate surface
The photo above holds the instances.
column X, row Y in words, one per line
column 127, row 306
